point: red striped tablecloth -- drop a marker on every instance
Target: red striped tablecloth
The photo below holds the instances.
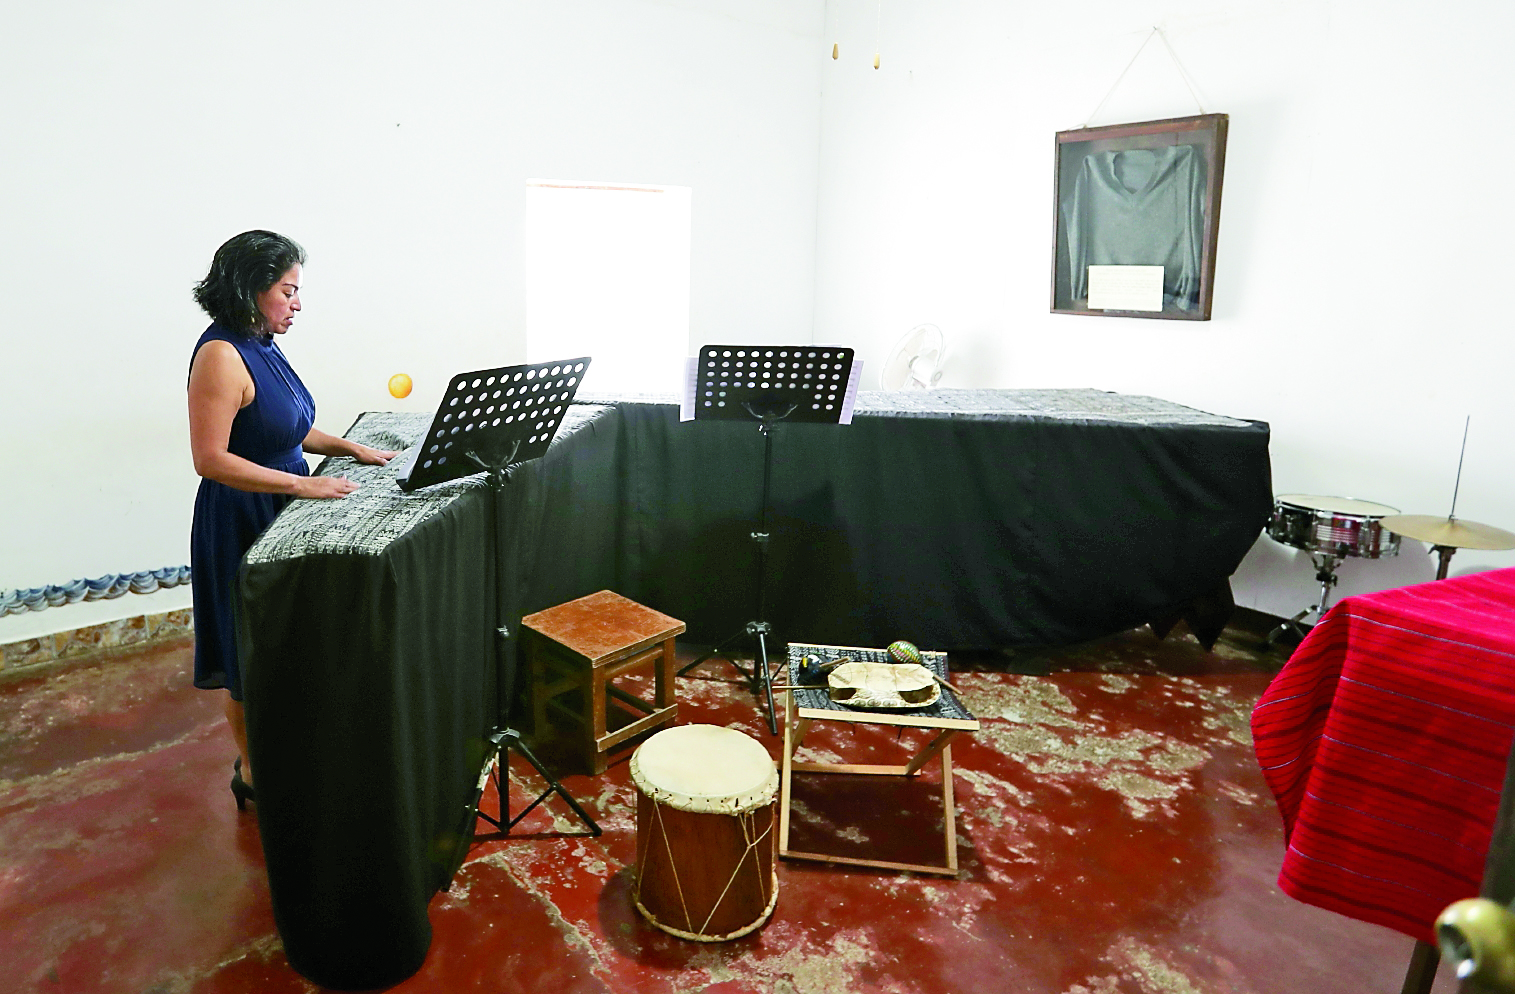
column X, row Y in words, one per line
column 1384, row 739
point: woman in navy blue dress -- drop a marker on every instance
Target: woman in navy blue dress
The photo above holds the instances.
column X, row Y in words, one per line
column 250, row 421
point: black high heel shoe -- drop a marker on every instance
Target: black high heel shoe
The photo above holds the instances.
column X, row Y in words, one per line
column 241, row 789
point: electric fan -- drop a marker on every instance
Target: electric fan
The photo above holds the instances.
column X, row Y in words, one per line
column 916, row 362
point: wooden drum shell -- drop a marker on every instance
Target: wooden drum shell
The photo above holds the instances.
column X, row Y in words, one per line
column 696, row 876
column 707, row 842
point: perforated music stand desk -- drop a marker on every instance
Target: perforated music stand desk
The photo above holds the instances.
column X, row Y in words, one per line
column 492, row 419
column 804, row 707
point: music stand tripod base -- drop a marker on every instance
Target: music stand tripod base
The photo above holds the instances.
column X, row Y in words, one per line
column 760, row 679
column 502, row 742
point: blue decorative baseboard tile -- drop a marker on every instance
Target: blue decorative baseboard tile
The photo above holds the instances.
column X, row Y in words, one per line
column 107, row 587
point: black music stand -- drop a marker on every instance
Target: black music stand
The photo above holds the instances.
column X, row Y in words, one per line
column 494, row 420
column 769, row 383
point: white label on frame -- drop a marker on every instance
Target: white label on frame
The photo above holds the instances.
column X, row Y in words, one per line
column 1125, row 288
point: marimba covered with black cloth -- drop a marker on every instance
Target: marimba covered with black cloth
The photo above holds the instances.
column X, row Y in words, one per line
column 370, row 681
column 957, row 519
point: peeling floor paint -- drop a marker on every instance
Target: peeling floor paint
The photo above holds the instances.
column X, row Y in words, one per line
column 1022, row 700
column 1115, row 838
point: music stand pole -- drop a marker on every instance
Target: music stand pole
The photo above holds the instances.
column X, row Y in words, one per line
column 504, row 737
column 762, row 676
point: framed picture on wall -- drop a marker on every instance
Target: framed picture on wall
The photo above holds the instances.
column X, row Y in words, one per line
column 1137, row 211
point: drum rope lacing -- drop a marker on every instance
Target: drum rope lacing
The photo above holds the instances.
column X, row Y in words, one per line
column 746, row 819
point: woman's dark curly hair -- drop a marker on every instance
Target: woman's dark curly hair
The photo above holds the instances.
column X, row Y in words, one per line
column 244, row 267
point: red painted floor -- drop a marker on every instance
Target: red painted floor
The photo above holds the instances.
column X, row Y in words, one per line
column 1115, row 838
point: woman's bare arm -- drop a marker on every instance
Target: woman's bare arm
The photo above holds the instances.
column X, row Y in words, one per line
column 323, row 444
column 219, row 387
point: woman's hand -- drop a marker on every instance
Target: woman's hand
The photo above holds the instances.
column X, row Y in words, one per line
column 371, row 457
column 323, row 444
column 323, row 486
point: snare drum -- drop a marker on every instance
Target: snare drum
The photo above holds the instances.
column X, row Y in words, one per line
column 706, row 847
column 1333, row 526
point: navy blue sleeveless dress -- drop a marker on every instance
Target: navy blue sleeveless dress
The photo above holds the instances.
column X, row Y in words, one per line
column 227, row 521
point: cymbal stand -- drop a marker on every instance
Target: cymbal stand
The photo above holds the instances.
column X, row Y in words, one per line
column 1325, row 574
column 1444, row 558
column 1444, row 552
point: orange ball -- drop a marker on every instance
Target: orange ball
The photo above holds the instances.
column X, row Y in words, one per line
column 399, row 385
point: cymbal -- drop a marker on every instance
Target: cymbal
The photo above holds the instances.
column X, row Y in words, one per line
column 1451, row 532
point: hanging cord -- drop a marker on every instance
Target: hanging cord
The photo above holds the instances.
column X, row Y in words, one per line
column 1182, row 74
column 836, row 29
column 878, row 32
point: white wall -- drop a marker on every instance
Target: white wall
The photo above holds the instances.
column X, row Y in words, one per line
column 1364, row 236
column 1362, row 242
column 394, row 141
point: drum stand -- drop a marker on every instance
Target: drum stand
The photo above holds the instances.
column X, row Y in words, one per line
column 1325, row 574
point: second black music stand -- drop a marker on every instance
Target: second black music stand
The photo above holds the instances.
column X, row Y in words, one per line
column 494, row 420
column 811, row 384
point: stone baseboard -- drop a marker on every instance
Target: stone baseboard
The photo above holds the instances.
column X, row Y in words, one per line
column 81, row 641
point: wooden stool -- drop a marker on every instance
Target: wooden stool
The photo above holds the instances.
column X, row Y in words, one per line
column 585, row 644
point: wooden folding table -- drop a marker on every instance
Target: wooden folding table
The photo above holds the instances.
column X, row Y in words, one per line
column 804, row 707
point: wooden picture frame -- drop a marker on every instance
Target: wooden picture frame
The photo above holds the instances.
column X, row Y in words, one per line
column 1136, row 212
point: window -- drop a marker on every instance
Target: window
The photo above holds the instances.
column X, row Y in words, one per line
column 607, row 276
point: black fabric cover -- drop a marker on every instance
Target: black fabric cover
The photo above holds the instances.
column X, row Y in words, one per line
column 950, row 532
column 370, row 688
column 370, row 675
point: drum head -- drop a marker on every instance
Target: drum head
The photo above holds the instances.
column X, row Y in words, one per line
column 1340, row 505
column 705, row 768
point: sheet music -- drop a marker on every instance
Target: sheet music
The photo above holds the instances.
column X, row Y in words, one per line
column 850, row 397
column 691, row 378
